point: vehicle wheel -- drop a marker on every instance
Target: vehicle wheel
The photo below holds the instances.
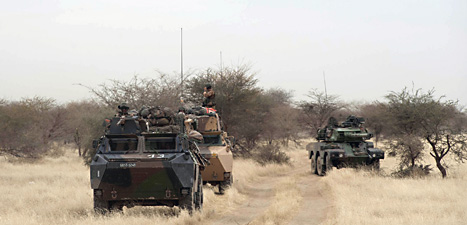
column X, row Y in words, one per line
column 376, row 165
column 313, row 165
column 199, row 194
column 321, row 168
column 187, row 202
column 116, row 207
column 225, row 184
column 221, row 188
column 101, row 206
column 328, row 162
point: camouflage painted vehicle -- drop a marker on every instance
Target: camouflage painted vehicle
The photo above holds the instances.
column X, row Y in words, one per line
column 343, row 145
column 141, row 163
column 216, row 147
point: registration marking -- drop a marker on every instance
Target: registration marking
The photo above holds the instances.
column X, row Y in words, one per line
column 127, row 165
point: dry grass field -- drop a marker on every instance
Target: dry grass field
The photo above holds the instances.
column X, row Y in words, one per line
column 57, row 191
column 365, row 197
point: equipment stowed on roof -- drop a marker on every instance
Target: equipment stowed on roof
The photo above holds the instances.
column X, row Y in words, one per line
column 147, row 159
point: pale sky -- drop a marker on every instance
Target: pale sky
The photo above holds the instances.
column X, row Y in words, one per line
column 366, row 48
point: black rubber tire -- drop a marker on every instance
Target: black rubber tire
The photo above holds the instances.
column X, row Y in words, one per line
column 101, row 206
column 199, row 195
column 376, row 165
column 187, row 203
column 328, row 163
column 321, row 168
column 221, row 188
column 116, row 207
column 313, row 165
column 105, row 207
column 223, row 185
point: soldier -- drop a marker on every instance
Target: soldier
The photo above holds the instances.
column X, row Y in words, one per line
column 209, row 96
column 122, row 113
column 181, row 109
column 123, row 110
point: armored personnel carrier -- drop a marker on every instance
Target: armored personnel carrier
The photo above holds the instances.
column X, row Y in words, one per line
column 343, row 145
column 146, row 160
column 216, row 147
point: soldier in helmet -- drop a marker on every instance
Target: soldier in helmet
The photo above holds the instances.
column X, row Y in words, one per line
column 181, row 109
column 209, row 96
column 123, row 110
column 122, row 113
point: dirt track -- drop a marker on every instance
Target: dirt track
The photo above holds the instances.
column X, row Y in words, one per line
column 263, row 198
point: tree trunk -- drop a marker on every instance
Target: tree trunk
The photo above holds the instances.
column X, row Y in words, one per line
column 441, row 167
column 434, row 153
column 85, row 150
column 77, row 139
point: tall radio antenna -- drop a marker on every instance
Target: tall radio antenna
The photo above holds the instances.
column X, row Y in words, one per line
column 181, row 61
column 221, row 61
column 325, row 89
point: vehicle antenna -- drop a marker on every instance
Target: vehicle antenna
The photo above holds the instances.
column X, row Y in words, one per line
column 325, row 89
column 181, row 61
column 221, row 62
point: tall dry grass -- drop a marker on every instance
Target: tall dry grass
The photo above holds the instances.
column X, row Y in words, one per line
column 57, row 191
column 366, row 197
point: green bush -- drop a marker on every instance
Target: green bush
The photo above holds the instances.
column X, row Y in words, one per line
column 271, row 153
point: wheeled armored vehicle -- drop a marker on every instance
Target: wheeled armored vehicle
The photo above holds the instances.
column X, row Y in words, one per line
column 146, row 161
column 343, row 145
column 216, row 147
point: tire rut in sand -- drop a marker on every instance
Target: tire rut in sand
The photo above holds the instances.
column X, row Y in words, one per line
column 258, row 196
column 316, row 204
column 263, row 198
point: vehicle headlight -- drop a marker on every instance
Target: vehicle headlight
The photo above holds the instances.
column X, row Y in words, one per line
column 341, row 155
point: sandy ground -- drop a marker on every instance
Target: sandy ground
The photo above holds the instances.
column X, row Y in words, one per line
column 308, row 200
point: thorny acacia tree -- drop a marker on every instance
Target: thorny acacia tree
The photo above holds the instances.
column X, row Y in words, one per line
column 375, row 115
column 403, row 141
column 237, row 99
column 29, row 126
column 248, row 112
column 138, row 92
column 85, row 123
column 281, row 119
column 319, row 109
column 438, row 122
